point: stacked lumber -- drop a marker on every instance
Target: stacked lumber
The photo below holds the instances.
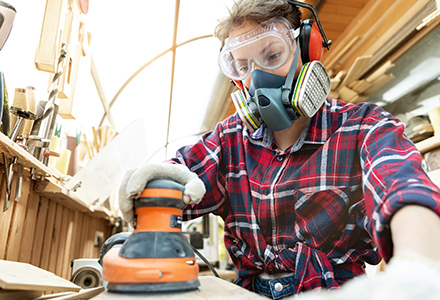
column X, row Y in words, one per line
column 101, row 137
column 362, row 58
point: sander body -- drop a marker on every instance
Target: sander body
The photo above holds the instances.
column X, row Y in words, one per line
column 156, row 257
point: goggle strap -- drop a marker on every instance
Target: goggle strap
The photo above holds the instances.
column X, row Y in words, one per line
column 287, row 88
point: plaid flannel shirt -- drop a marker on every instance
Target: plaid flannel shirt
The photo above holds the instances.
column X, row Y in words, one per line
column 319, row 209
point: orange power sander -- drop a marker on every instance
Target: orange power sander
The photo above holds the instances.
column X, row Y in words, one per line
column 156, row 257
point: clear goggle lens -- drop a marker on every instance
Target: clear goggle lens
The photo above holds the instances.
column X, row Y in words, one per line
column 269, row 45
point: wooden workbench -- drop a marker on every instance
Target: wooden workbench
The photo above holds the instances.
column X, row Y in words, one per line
column 210, row 288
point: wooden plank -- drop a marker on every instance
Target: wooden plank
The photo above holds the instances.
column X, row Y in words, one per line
column 384, row 28
column 40, row 229
column 49, row 43
column 335, row 81
column 77, row 240
column 68, row 249
column 29, row 227
column 412, row 41
column 22, row 276
column 48, row 235
column 56, row 237
column 346, row 94
column 357, row 28
column 358, row 99
column 210, row 288
column 81, row 295
column 378, row 83
column 101, row 94
column 19, row 294
column 356, row 69
column 56, row 192
column 428, row 144
column 66, row 105
column 379, row 72
column 361, row 86
column 62, row 246
column 18, row 221
column 400, row 30
column 11, row 149
column 347, row 48
column 5, row 218
column 87, row 225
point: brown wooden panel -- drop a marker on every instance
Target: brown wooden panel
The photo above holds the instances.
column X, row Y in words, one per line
column 363, row 21
column 48, row 236
column 83, row 239
column 18, row 219
column 5, row 218
column 56, row 237
column 29, row 227
column 62, row 246
column 40, row 228
column 68, row 249
column 77, row 235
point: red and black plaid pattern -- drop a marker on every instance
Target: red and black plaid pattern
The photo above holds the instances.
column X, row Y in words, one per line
column 322, row 207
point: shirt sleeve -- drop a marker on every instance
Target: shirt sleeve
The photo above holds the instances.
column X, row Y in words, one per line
column 392, row 175
column 205, row 158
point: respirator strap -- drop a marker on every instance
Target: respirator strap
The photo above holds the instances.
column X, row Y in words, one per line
column 288, row 84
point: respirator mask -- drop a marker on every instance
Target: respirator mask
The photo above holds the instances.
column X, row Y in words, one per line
column 271, row 99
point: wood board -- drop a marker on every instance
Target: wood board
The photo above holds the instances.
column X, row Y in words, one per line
column 23, row 276
column 19, row 294
column 210, row 288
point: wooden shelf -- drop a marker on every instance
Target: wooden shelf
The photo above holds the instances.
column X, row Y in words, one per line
column 428, row 144
column 49, row 182
column 55, row 191
column 11, row 149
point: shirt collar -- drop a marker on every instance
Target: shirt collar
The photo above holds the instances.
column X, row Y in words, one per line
column 320, row 128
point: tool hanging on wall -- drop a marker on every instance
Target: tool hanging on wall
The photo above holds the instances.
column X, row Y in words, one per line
column 156, row 257
column 31, row 98
column 9, row 175
column 22, row 115
column 39, row 145
column 4, row 106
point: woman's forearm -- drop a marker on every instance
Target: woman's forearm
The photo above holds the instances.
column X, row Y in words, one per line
column 416, row 229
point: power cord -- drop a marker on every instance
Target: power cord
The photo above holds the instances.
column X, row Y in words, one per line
column 205, row 261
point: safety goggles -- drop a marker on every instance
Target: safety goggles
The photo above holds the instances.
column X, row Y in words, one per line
column 269, row 45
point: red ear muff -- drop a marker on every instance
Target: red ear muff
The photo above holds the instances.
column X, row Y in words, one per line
column 310, row 39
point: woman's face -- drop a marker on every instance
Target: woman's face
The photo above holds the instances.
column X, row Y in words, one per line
column 281, row 71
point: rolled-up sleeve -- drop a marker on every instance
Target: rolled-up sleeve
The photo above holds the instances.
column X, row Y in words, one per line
column 392, row 178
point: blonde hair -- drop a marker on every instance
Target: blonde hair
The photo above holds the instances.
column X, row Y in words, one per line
column 256, row 11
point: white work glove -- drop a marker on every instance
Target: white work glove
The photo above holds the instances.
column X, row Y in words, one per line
column 406, row 277
column 135, row 180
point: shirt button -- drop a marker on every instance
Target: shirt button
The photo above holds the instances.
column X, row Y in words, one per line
column 278, row 287
column 280, row 158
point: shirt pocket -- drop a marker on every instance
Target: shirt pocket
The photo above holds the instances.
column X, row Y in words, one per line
column 323, row 215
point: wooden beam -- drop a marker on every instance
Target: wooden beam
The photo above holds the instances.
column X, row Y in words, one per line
column 100, row 90
column 356, row 69
column 385, row 26
column 332, row 63
column 357, row 28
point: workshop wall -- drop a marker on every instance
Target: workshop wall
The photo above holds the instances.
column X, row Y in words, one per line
column 46, row 233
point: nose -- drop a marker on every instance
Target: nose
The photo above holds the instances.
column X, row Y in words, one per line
column 247, row 80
